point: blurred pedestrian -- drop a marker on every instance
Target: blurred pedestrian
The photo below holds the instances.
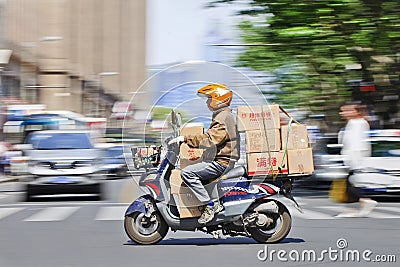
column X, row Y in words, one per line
column 355, row 149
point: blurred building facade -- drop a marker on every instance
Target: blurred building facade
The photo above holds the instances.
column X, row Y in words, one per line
column 78, row 55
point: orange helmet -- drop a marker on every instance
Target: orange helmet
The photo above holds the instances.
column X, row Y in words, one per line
column 220, row 94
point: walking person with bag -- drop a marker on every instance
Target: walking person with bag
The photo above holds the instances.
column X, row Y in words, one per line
column 355, row 149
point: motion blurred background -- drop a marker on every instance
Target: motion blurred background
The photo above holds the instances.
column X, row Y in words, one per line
column 115, row 65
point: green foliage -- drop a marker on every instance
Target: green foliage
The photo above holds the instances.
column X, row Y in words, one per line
column 163, row 113
column 308, row 43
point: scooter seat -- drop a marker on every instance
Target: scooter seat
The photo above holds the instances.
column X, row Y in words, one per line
column 236, row 172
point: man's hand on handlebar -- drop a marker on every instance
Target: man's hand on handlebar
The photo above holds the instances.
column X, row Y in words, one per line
column 179, row 139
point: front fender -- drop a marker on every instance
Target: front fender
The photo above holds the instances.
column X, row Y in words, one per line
column 138, row 205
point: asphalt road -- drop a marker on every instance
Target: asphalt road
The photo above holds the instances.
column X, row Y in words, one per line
column 89, row 233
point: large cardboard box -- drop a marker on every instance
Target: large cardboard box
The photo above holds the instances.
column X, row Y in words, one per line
column 300, row 161
column 298, row 137
column 271, row 117
column 266, row 163
column 188, row 204
column 263, row 141
column 176, row 181
column 249, row 118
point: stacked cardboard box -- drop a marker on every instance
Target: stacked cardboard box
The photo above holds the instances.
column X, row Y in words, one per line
column 299, row 152
column 188, row 204
column 271, row 148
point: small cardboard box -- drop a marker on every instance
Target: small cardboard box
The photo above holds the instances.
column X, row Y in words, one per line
column 190, row 153
column 263, row 141
column 249, row 118
column 188, row 203
column 300, row 161
column 271, row 117
column 263, row 164
column 191, row 130
column 298, row 136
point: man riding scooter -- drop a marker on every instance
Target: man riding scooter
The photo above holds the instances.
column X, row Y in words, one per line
column 221, row 139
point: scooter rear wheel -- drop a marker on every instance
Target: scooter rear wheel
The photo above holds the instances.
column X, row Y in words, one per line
column 143, row 230
column 276, row 232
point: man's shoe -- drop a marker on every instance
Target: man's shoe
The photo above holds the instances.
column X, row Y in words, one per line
column 218, row 207
column 209, row 213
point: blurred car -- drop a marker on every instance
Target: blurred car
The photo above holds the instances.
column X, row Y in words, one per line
column 381, row 173
column 329, row 166
column 328, row 163
column 113, row 163
column 63, row 163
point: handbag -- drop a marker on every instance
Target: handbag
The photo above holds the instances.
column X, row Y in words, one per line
column 339, row 191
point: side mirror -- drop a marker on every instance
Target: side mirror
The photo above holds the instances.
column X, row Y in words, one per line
column 173, row 117
column 178, row 120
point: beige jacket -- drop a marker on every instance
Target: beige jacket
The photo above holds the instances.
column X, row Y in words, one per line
column 221, row 140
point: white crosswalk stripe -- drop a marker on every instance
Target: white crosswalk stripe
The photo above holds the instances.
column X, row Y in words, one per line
column 374, row 213
column 392, row 209
column 116, row 212
column 4, row 212
column 111, row 213
column 309, row 214
column 379, row 215
column 52, row 214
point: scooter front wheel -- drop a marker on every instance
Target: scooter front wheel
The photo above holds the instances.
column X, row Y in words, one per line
column 276, row 231
column 144, row 230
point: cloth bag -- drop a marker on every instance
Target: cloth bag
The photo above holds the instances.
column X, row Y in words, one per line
column 339, row 191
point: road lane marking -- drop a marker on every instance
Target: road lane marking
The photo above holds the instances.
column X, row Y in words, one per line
column 310, row 215
column 379, row 215
column 116, row 212
column 373, row 214
column 4, row 212
column 52, row 214
column 392, row 209
column 110, row 214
